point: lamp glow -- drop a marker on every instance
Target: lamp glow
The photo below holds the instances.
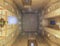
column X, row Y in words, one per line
column 32, row 44
column 12, row 20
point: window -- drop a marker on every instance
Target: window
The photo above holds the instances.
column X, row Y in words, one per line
column 52, row 22
column 12, row 20
column 32, row 44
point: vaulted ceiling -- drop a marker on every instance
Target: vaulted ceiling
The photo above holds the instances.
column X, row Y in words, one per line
column 35, row 4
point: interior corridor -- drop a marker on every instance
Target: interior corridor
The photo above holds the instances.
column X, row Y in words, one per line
column 23, row 41
column 29, row 22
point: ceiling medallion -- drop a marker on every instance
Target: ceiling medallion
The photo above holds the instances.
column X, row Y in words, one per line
column 2, row 22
